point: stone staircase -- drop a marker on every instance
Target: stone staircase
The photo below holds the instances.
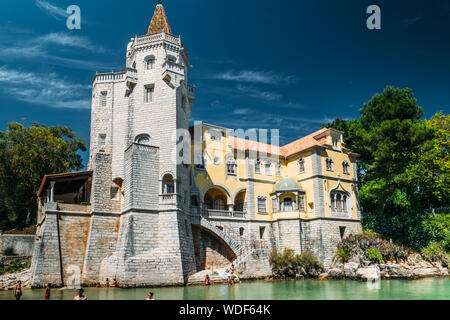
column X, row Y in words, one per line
column 242, row 248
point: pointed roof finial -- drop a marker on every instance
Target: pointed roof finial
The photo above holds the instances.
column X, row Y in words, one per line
column 159, row 21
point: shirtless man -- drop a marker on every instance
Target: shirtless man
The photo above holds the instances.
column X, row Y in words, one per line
column 80, row 295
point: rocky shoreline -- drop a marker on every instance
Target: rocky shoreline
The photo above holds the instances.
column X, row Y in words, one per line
column 8, row 281
column 364, row 270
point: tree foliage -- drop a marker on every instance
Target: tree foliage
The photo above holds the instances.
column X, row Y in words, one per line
column 26, row 155
column 404, row 164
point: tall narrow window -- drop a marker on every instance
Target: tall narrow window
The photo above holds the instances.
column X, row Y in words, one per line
column 103, row 96
column 268, row 167
column 329, row 163
column 301, row 202
column 301, row 165
column 345, row 167
column 150, row 64
column 257, row 166
column 278, row 169
column 149, row 91
column 262, row 208
column 101, row 139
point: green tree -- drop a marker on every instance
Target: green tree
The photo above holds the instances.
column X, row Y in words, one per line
column 26, row 155
column 430, row 169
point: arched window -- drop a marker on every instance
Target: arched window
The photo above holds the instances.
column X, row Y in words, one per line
column 241, row 231
column 330, row 164
column 301, row 165
column 231, row 166
column 143, row 139
column 345, row 167
column 339, row 201
column 286, row 205
column 150, row 62
column 171, row 58
column 168, row 184
column 219, row 203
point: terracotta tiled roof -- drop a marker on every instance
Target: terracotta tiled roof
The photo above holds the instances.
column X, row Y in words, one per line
column 245, row 144
column 304, row 143
column 159, row 21
column 285, row 151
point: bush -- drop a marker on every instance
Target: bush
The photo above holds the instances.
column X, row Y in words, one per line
column 361, row 242
column 309, row 264
column 413, row 230
column 374, row 255
column 14, row 266
column 343, row 253
column 435, row 252
column 8, row 251
column 27, row 230
column 290, row 265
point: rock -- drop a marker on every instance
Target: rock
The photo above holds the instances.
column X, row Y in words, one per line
column 335, row 273
column 425, row 272
column 323, row 276
column 371, row 273
column 9, row 280
column 350, row 269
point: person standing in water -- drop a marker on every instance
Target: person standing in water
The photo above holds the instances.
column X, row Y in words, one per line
column 150, row 296
column 18, row 290
column 80, row 295
column 47, row 292
column 207, row 280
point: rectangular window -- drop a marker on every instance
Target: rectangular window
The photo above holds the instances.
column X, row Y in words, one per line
column 278, row 169
column 257, row 167
column 301, row 202
column 149, row 92
column 262, row 205
column 101, row 139
column 103, row 98
column 261, row 232
column 268, row 169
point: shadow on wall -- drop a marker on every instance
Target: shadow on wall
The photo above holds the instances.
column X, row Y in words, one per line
column 209, row 251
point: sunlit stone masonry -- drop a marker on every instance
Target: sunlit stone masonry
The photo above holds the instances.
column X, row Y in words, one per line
column 142, row 217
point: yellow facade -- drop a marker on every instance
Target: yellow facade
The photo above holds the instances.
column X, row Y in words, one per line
column 320, row 191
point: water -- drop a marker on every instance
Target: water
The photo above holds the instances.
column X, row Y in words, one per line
column 438, row 289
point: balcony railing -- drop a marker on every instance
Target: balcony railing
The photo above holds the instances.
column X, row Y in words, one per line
column 158, row 37
column 213, row 213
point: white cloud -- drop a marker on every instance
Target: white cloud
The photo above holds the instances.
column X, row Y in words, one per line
column 53, row 11
column 251, row 76
column 45, row 49
column 254, row 92
column 46, row 89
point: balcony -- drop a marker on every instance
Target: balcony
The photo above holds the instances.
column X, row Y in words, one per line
column 213, row 213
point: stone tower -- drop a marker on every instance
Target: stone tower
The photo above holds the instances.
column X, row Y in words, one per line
column 139, row 116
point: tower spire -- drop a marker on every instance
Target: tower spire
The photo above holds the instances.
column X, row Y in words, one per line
column 159, row 21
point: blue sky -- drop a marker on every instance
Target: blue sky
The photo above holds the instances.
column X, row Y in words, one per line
column 291, row 65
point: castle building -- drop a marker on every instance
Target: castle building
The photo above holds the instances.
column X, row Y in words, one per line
column 161, row 201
